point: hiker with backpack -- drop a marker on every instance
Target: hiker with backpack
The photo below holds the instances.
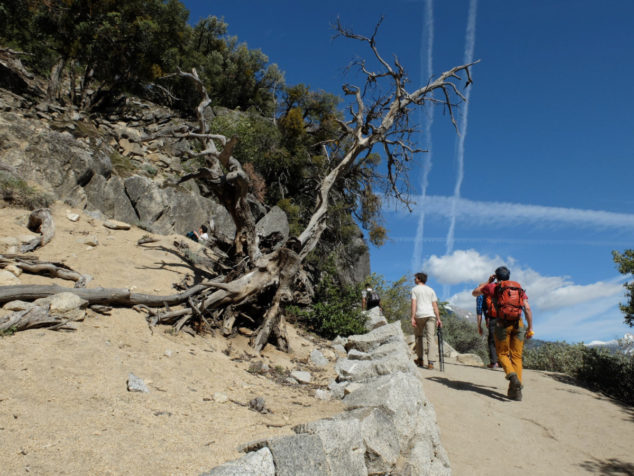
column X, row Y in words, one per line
column 481, row 309
column 369, row 298
column 505, row 301
column 425, row 318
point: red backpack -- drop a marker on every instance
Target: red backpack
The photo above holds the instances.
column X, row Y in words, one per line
column 507, row 301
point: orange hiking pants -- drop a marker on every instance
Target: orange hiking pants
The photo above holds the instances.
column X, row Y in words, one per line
column 509, row 344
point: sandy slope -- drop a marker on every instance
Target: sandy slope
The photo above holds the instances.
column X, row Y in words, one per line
column 64, row 407
column 558, row 428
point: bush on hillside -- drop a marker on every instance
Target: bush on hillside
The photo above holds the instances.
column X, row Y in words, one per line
column 555, row 357
column 612, row 374
column 16, row 192
column 337, row 310
column 462, row 335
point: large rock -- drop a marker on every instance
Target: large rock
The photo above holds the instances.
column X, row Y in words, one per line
column 109, row 196
column 373, row 339
column 65, row 305
column 298, row 455
column 374, row 318
column 470, row 359
column 257, row 463
column 56, row 161
column 401, row 395
column 342, row 444
column 361, row 370
column 275, row 221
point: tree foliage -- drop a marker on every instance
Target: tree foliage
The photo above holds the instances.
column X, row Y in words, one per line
column 337, row 309
column 625, row 264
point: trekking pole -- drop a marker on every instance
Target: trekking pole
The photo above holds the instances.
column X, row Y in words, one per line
column 441, row 350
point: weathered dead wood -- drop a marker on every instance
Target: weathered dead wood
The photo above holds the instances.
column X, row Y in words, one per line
column 34, row 266
column 288, row 263
column 35, row 317
column 105, row 296
column 228, row 321
column 40, row 221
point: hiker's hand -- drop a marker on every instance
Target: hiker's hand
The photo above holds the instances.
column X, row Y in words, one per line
column 530, row 333
column 438, row 323
column 491, row 278
column 480, row 330
column 413, row 322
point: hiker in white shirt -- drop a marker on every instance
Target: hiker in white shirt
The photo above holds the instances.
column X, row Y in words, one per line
column 425, row 318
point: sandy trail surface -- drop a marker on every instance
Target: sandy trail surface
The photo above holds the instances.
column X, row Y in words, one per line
column 559, row 428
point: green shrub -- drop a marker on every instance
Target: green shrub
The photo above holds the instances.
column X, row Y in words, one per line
column 555, row 357
column 395, row 299
column 122, row 165
column 599, row 369
column 610, row 373
column 18, row 193
column 462, row 335
column 336, row 311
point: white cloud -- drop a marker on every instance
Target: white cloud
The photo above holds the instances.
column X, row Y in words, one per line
column 461, row 266
column 586, row 321
column 463, row 300
column 545, row 292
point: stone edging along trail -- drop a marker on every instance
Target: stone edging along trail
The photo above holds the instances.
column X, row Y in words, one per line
column 388, row 425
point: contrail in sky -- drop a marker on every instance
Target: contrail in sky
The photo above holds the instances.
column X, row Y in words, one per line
column 428, row 119
column 468, row 58
column 506, row 214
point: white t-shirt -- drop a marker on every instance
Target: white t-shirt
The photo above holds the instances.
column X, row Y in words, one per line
column 424, row 296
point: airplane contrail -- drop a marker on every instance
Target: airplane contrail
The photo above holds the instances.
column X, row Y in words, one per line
column 427, row 116
column 468, row 58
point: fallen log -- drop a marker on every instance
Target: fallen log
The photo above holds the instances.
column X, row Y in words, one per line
column 34, row 318
column 54, row 270
column 105, row 296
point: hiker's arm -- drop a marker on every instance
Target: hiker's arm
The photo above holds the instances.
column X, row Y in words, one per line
column 437, row 312
column 478, row 290
column 479, row 303
column 414, row 312
column 529, row 318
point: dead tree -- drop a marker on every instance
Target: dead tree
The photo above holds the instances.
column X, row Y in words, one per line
column 378, row 117
column 381, row 122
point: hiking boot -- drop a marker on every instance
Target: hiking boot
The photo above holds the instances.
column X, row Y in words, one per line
column 515, row 387
column 430, row 366
column 418, row 362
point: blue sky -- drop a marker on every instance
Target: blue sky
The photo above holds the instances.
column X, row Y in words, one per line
column 540, row 177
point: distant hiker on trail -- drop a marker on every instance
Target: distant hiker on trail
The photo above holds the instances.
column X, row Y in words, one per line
column 507, row 301
column 425, row 318
column 490, row 323
column 369, row 298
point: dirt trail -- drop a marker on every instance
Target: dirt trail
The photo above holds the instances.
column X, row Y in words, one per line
column 558, row 428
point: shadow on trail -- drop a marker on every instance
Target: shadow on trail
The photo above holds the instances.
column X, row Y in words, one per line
column 608, row 467
column 470, row 387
